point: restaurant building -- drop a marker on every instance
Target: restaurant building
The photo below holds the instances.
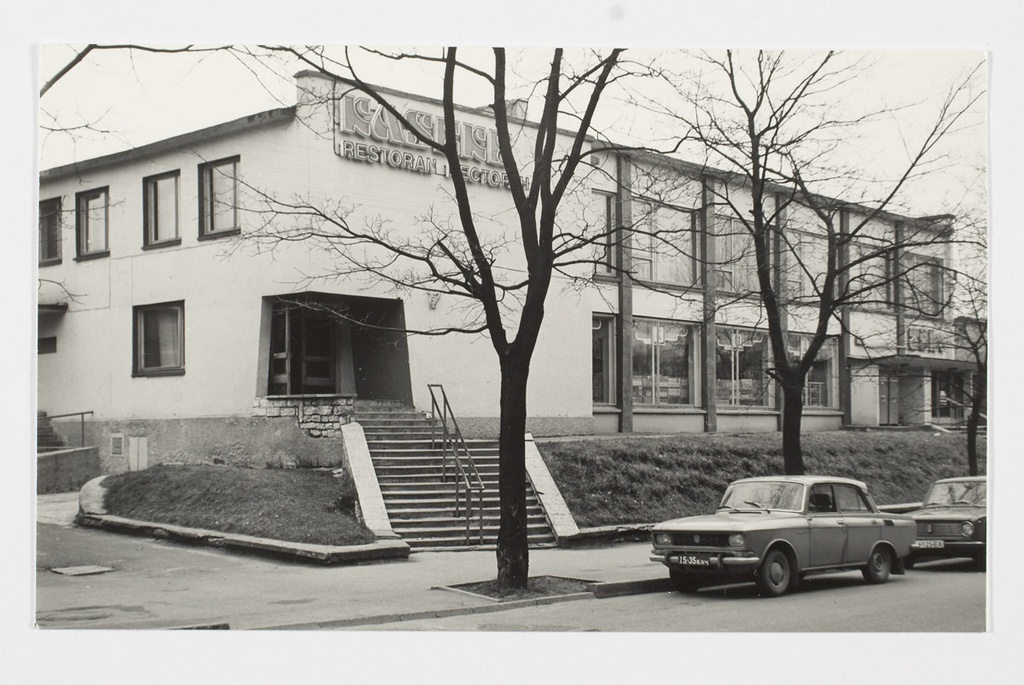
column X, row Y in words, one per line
column 170, row 313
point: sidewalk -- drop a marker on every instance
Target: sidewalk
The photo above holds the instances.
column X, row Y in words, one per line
column 162, row 585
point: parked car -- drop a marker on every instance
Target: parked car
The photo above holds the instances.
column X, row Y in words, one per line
column 952, row 521
column 776, row 530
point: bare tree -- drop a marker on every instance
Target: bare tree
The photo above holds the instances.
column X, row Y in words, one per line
column 467, row 260
column 779, row 141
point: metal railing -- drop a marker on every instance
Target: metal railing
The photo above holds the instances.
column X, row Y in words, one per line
column 465, row 475
column 81, row 418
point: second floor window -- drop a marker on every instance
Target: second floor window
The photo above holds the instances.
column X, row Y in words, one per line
column 663, row 245
column 218, row 197
column 160, row 208
column 924, row 287
column 49, row 232
column 603, row 228
column 91, row 209
column 736, row 259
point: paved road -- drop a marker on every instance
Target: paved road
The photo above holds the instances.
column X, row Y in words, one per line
column 941, row 596
column 159, row 584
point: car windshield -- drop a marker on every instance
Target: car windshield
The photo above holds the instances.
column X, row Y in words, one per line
column 768, row 495
column 969, row 492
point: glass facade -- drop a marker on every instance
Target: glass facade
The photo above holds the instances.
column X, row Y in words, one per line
column 663, row 363
column 743, row 357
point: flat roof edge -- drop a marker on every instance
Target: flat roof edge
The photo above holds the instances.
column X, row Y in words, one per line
column 272, row 116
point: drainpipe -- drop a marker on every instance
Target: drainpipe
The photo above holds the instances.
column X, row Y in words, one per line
column 845, row 341
column 708, row 332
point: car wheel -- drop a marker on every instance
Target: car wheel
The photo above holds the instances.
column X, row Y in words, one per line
column 775, row 576
column 683, row 582
column 879, row 565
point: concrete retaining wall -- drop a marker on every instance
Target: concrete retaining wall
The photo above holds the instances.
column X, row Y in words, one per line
column 66, row 470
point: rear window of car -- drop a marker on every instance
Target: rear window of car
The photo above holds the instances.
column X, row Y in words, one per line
column 850, row 499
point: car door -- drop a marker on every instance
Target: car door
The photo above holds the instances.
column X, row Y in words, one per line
column 863, row 526
column 826, row 527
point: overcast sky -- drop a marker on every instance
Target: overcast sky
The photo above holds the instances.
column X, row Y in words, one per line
column 991, row 25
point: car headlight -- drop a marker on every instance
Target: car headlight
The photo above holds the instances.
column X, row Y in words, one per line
column 736, row 540
column 663, row 538
column 967, row 529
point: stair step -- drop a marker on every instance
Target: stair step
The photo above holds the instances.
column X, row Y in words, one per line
column 458, row 527
column 457, row 542
column 377, row 444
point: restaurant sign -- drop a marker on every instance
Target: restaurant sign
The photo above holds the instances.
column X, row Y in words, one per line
column 370, row 133
column 921, row 339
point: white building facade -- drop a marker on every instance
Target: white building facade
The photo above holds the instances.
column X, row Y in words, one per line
column 165, row 312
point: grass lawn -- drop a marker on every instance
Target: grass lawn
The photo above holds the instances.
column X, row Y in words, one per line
column 618, row 481
column 294, row 505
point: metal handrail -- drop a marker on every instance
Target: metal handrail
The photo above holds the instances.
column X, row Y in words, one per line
column 465, row 474
column 81, row 415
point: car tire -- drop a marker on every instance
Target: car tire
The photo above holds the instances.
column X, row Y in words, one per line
column 879, row 565
column 683, row 582
column 776, row 575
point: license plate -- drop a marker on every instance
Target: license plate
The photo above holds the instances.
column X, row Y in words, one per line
column 694, row 560
column 929, row 544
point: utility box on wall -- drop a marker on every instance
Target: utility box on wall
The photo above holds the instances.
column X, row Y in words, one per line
column 138, row 454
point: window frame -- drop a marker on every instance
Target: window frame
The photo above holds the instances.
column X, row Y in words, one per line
column 605, row 262
column 206, row 215
column 150, row 216
column 739, row 264
column 50, row 234
column 139, row 370
column 606, row 325
column 735, row 400
column 656, row 376
column 83, row 224
column 797, row 344
column 933, row 302
column 655, row 248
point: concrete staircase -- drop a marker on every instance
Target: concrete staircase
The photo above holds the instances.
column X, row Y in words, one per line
column 419, row 502
column 47, row 439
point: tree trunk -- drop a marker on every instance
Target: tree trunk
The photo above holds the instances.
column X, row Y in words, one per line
column 792, row 413
column 513, row 545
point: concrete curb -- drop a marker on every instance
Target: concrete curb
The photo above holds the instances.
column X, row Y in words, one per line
column 327, row 554
column 638, row 532
column 596, row 590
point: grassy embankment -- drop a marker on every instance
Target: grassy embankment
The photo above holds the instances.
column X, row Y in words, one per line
column 295, row 505
column 643, row 480
column 605, row 481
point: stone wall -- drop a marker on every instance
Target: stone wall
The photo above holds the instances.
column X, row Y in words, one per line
column 318, row 416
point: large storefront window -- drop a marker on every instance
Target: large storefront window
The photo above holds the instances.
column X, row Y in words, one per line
column 604, row 355
column 743, row 357
column 662, row 363
column 820, row 386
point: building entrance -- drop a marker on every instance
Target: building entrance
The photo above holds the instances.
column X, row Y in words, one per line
column 320, row 344
column 888, row 398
